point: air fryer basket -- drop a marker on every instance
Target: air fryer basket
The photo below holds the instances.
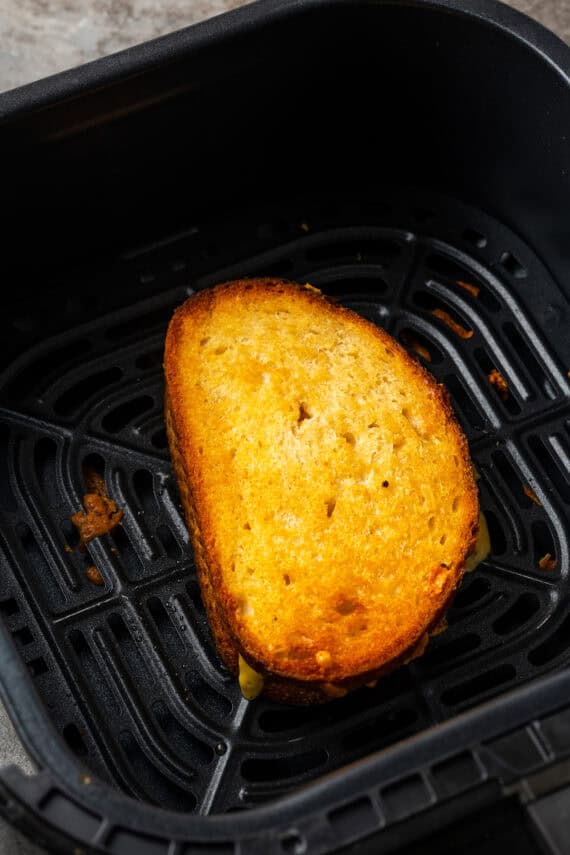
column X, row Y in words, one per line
column 405, row 158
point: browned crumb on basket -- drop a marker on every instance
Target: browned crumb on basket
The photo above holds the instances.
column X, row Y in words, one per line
column 531, row 495
column 412, row 342
column 497, row 380
column 474, row 290
column 440, row 627
column 94, row 575
column 451, row 323
column 547, row 562
column 101, row 513
column 67, row 547
column 334, row 691
column 304, row 227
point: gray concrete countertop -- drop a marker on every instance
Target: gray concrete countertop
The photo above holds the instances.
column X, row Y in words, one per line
column 41, row 37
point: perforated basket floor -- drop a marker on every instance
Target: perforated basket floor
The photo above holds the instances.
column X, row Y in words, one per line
column 127, row 670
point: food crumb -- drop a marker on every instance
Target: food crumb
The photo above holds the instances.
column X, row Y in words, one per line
column 412, row 342
column 422, row 351
column 67, row 547
column 334, row 691
column 547, row 562
column 101, row 515
column 473, row 289
column 309, row 287
column 304, row 227
column 439, row 627
column 532, row 495
column 94, row 575
column 497, row 380
column 452, row 324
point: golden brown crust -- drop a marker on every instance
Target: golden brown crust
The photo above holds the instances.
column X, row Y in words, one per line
column 224, row 641
column 294, row 677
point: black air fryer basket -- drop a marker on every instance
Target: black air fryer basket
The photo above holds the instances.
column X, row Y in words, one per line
column 411, row 159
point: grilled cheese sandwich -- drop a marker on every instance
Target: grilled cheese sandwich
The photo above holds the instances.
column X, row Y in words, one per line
column 326, row 484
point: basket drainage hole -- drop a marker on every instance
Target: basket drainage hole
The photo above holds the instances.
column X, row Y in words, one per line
column 482, row 684
column 467, row 406
column 169, row 542
column 92, row 469
column 23, row 636
column 357, row 814
column 74, row 739
column 550, row 459
column 522, row 610
column 143, row 482
column 25, row 323
column 489, row 368
column 7, row 498
column 84, row 390
column 127, row 413
column 9, row 607
column 422, row 215
column 471, row 592
column 447, row 267
column 513, row 266
column 417, row 343
column 195, row 596
column 556, row 643
column 496, row 534
column 159, row 439
column 151, row 359
column 512, row 479
column 475, row 238
column 37, row 666
column 543, row 541
column 119, row 628
column 293, row 842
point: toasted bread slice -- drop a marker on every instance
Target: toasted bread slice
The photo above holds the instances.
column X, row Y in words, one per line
column 327, row 487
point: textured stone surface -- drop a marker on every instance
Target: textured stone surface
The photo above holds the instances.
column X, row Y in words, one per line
column 13, row 753
column 41, row 37
column 554, row 14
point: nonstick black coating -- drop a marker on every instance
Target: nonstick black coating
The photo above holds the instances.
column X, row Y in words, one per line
column 128, row 670
column 284, row 140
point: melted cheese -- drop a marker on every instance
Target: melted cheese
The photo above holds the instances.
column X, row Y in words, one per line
column 482, row 546
column 250, row 682
column 334, row 691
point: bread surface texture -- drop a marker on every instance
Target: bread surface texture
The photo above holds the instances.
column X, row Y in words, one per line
column 326, row 485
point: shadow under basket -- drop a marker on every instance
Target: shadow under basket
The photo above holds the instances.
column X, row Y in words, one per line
column 411, row 161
